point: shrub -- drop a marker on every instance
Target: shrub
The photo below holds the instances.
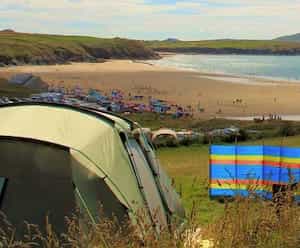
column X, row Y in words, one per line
column 206, row 139
column 186, row 142
column 165, row 141
column 287, row 130
column 243, row 135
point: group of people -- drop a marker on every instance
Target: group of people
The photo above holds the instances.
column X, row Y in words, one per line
column 118, row 101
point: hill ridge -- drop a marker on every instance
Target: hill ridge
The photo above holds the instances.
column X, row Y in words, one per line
column 228, row 46
column 293, row 37
column 43, row 49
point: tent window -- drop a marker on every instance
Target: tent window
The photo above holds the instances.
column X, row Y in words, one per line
column 2, row 187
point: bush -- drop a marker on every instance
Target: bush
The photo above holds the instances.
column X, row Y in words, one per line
column 243, row 135
column 165, row 141
column 229, row 138
column 206, row 139
column 171, row 142
column 287, row 130
column 186, row 142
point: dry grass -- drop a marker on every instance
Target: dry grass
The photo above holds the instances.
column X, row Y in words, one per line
column 251, row 222
column 81, row 233
column 246, row 222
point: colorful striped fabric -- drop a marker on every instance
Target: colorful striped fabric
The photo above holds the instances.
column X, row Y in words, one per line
column 240, row 169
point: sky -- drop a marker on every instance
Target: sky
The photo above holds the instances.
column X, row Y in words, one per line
column 154, row 19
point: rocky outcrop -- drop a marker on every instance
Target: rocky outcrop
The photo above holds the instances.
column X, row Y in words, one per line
column 94, row 56
column 57, row 57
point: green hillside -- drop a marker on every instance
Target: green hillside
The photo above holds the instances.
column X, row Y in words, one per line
column 227, row 46
column 19, row 48
column 293, row 38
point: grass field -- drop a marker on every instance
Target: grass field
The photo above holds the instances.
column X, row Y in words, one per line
column 188, row 166
column 272, row 45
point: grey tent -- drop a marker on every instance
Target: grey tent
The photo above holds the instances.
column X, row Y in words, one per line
column 56, row 158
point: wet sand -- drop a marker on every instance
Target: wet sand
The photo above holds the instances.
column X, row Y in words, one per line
column 217, row 94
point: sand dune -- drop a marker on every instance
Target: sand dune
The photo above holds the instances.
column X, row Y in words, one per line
column 215, row 94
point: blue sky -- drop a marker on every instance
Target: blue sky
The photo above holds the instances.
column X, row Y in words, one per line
column 154, row 19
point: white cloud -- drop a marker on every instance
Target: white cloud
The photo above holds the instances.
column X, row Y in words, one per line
column 136, row 19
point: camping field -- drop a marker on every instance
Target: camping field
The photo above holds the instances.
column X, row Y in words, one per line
column 188, row 167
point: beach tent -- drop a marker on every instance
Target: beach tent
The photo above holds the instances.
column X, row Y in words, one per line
column 28, row 80
column 95, row 96
column 55, row 159
column 164, row 132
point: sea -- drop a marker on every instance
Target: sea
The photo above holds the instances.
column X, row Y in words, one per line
column 285, row 68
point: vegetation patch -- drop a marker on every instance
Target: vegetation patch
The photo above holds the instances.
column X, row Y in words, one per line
column 21, row 48
column 227, row 47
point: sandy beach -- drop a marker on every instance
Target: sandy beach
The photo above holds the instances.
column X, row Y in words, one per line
column 215, row 93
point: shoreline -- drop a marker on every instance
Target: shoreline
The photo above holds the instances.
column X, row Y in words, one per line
column 218, row 74
column 207, row 91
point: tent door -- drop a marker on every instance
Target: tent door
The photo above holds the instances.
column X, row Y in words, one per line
column 39, row 184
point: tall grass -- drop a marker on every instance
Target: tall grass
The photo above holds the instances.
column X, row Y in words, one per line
column 246, row 222
column 81, row 233
column 251, row 222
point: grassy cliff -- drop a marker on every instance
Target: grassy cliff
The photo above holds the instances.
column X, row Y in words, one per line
column 227, row 47
column 19, row 48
